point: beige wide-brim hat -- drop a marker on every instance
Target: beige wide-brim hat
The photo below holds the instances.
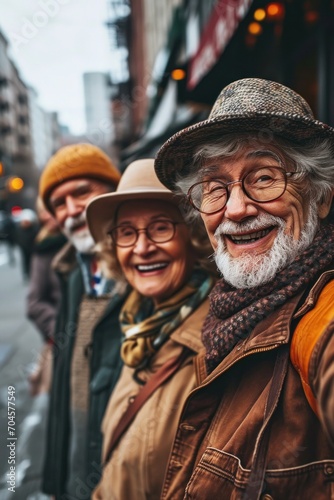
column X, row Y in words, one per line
column 138, row 182
column 266, row 108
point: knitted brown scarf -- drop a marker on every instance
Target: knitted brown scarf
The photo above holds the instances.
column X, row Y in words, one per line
column 235, row 312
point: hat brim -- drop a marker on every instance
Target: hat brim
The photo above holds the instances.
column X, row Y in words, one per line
column 101, row 210
column 175, row 157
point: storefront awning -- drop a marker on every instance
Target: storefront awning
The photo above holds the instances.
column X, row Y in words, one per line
column 165, row 61
column 221, row 26
column 148, row 145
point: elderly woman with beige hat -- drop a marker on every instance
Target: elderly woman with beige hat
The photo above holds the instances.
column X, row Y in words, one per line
column 166, row 263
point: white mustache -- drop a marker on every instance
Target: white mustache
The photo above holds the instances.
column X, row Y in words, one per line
column 71, row 223
column 256, row 224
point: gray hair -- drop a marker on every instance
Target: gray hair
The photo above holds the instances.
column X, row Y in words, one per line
column 314, row 162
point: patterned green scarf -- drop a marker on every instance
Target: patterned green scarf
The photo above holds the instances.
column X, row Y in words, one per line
column 146, row 329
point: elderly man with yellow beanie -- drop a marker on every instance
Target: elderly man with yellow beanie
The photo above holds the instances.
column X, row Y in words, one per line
column 87, row 336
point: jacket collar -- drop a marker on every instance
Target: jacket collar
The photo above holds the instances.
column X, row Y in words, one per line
column 65, row 260
column 315, row 291
column 189, row 332
column 269, row 333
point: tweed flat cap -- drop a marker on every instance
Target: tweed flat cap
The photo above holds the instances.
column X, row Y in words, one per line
column 249, row 105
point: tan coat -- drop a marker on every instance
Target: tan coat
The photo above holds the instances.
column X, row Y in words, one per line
column 137, row 466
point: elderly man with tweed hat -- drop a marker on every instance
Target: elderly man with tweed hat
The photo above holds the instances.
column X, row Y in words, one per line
column 260, row 424
column 87, row 336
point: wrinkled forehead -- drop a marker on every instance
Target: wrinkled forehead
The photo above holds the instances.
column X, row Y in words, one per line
column 214, row 161
column 72, row 186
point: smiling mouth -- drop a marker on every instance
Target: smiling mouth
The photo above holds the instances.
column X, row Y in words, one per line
column 80, row 226
column 146, row 268
column 241, row 239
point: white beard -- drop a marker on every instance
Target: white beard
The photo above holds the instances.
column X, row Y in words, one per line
column 81, row 239
column 251, row 270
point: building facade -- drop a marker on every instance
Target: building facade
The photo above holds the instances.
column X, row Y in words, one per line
column 28, row 134
column 45, row 131
column 191, row 49
column 98, row 109
column 15, row 138
column 286, row 41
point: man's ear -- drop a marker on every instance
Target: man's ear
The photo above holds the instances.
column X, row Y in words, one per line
column 325, row 205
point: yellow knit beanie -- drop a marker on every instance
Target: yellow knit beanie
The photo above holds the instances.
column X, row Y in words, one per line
column 76, row 160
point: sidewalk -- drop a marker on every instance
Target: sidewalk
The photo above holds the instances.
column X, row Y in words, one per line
column 20, row 344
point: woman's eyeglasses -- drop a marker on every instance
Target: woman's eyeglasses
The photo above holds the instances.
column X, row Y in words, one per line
column 159, row 231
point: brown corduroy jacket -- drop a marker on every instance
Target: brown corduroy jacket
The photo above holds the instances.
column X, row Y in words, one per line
column 222, row 418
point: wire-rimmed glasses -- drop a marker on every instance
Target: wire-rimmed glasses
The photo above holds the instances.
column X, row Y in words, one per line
column 260, row 185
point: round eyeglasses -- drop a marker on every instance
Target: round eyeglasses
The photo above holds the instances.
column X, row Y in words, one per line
column 261, row 185
column 159, row 231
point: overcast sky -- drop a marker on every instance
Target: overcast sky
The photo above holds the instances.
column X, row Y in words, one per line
column 53, row 42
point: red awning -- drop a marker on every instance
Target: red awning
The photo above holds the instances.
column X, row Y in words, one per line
column 223, row 22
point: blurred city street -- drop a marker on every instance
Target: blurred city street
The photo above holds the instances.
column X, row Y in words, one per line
column 169, row 80
column 19, row 347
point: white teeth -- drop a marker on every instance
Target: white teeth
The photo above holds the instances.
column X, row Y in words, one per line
column 151, row 267
column 249, row 237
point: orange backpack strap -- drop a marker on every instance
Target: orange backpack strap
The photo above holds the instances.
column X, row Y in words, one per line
column 307, row 333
